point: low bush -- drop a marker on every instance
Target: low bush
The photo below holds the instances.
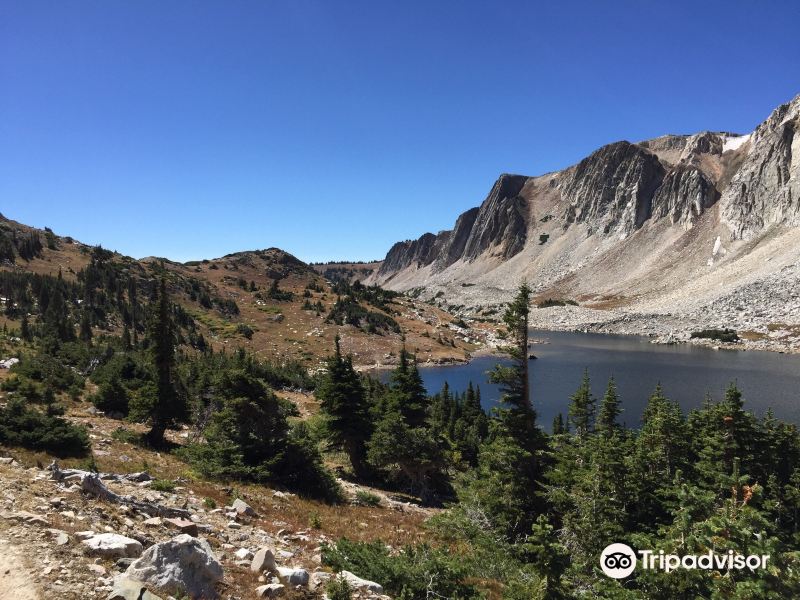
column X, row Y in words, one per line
column 722, row 335
column 367, row 498
column 29, row 428
column 414, row 573
column 555, row 302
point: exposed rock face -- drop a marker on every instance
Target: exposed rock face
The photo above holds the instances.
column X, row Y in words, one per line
column 181, row 566
column 766, row 189
column 411, row 252
column 612, row 189
column 706, row 142
column 684, row 195
column 499, row 222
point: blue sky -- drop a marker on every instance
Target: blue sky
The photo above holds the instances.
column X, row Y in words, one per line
column 333, row 129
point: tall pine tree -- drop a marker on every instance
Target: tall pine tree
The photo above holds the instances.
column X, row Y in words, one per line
column 346, row 411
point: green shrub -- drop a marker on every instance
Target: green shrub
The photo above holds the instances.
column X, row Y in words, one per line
column 366, row 498
column 29, row 428
column 163, row 485
column 415, row 573
column 722, row 335
column 555, row 302
column 111, row 397
column 339, row 589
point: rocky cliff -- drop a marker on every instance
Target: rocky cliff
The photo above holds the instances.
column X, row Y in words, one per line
column 685, row 217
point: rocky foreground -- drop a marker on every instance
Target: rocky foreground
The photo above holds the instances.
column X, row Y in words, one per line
column 68, row 533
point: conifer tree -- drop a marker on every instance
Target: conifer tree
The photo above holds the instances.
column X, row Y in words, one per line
column 344, row 405
column 167, row 406
column 582, row 408
column 85, row 333
column 609, row 410
column 517, row 415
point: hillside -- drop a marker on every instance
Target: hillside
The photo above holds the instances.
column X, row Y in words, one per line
column 662, row 237
column 231, row 302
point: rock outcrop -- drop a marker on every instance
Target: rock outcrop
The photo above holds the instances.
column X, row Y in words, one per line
column 498, row 224
column 684, row 194
column 766, row 189
column 612, row 189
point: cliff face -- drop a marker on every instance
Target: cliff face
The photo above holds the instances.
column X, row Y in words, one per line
column 685, row 217
column 612, row 189
column 766, row 189
column 497, row 223
column 684, row 194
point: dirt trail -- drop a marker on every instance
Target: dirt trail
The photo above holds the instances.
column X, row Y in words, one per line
column 16, row 582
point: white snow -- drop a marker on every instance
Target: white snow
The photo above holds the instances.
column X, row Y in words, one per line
column 733, row 143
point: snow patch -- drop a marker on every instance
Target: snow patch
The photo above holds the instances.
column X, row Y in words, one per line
column 734, row 142
column 717, row 246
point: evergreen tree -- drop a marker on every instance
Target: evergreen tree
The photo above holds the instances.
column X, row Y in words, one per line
column 85, row 333
column 25, row 329
column 408, row 392
column 167, row 406
column 517, row 414
column 559, row 426
column 344, row 405
column 582, row 408
column 609, row 410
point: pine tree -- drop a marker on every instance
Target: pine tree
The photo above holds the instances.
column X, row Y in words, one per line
column 344, row 405
column 559, row 426
column 609, row 410
column 408, row 392
column 167, row 406
column 126, row 339
column 85, row 334
column 25, row 329
column 582, row 408
column 517, row 414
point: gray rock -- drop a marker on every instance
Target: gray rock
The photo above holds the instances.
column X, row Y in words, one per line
column 271, row 590
column 361, row 584
column 128, row 589
column 243, row 508
column 180, row 566
column 293, row 576
column 264, row 560
column 112, row 545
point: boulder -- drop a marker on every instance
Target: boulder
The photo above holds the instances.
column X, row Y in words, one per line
column 293, row 576
column 271, row 590
column 112, row 545
column 361, row 584
column 243, row 508
column 183, row 525
column 243, row 554
column 181, row 566
column 319, row 579
column 264, row 560
column 128, row 589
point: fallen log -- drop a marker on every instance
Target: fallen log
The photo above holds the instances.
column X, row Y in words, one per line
column 92, row 484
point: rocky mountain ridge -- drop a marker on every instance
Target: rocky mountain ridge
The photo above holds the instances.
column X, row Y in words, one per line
column 679, row 217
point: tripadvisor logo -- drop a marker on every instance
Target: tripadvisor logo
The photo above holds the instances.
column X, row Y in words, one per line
column 619, row 561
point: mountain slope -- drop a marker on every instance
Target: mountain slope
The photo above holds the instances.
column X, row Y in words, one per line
column 662, row 236
column 266, row 301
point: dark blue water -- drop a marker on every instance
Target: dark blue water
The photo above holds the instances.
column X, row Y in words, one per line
column 687, row 373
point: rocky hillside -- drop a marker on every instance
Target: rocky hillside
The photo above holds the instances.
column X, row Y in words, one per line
column 266, row 301
column 664, row 236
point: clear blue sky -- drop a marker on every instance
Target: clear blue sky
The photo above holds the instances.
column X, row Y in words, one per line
column 333, row 129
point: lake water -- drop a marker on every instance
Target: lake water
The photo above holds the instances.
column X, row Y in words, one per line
column 686, row 372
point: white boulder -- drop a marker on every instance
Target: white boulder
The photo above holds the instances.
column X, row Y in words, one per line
column 112, row 545
column 184, row 565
